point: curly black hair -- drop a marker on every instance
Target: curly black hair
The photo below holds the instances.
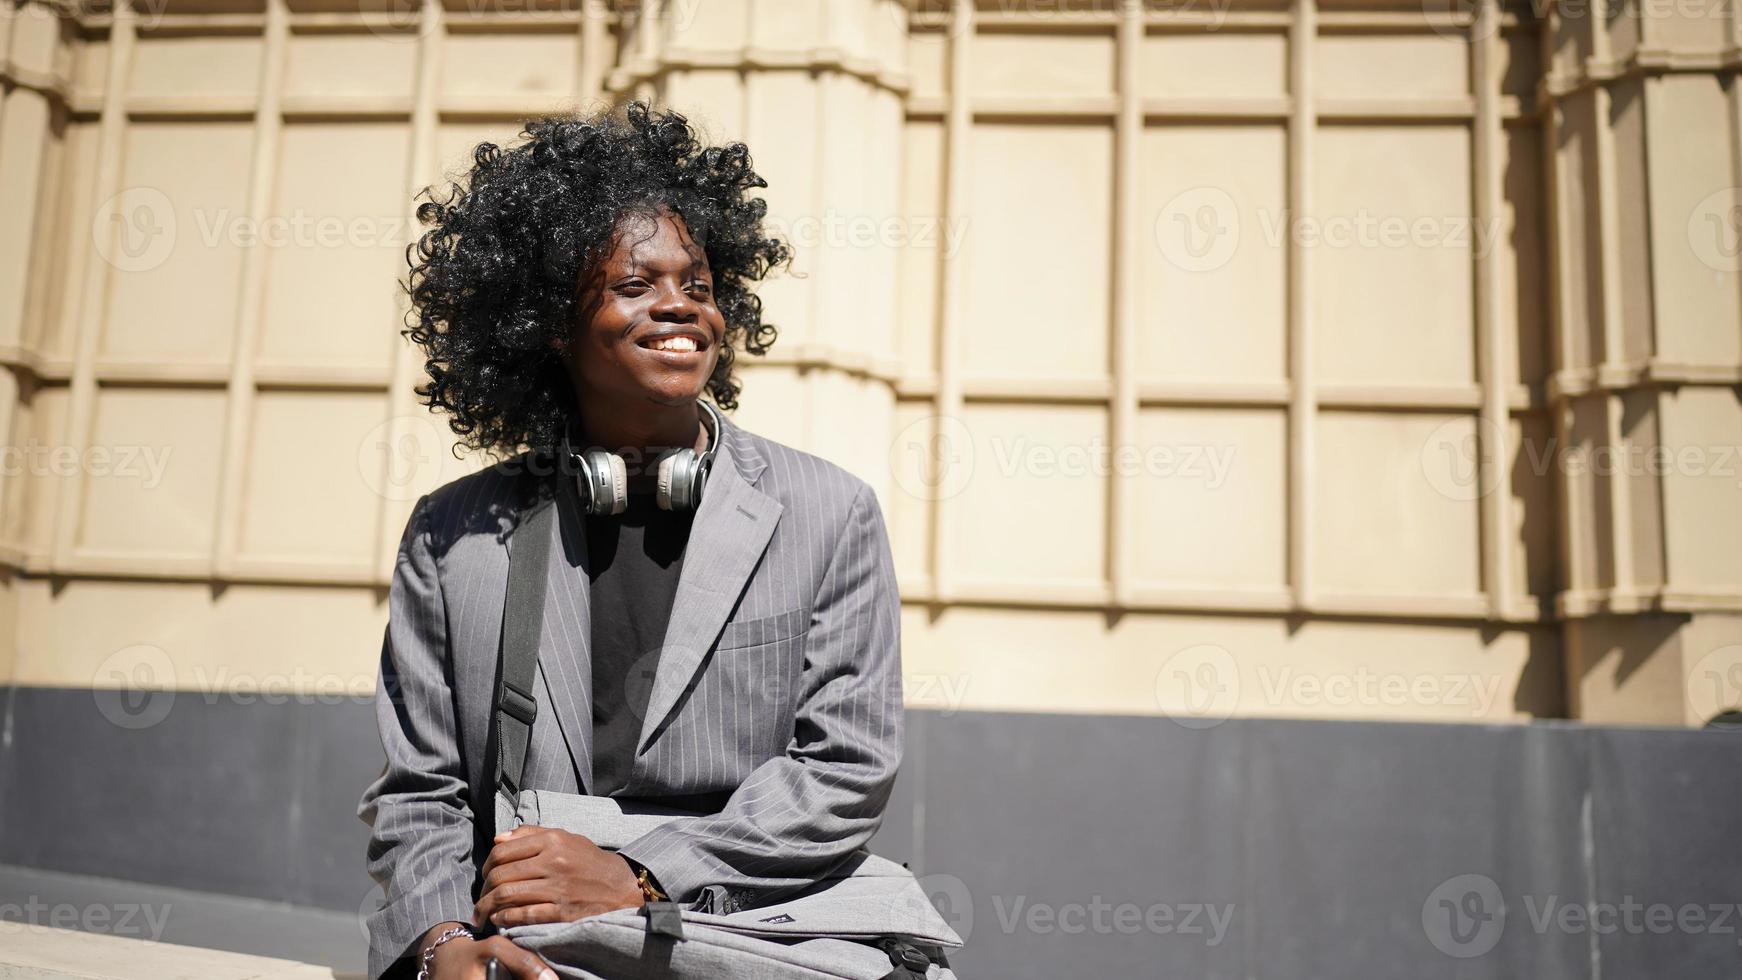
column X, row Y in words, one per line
column 494, row 279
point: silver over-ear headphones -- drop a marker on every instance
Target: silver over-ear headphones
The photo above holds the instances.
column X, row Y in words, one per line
column 603, row 477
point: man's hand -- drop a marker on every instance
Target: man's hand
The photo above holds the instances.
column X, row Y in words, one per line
column 540, row 874
column 464, row 959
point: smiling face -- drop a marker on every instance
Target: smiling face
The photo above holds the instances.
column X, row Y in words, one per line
column 649, row 333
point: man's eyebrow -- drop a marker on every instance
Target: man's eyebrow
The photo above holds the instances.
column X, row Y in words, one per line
column 697, row 264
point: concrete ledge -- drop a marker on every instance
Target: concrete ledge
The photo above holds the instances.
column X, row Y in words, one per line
column 156, row 915
column 41, row 953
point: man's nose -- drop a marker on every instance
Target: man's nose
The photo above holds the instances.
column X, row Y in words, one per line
column 673, row 304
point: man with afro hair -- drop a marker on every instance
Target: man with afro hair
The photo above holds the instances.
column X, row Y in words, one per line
column 731, row 653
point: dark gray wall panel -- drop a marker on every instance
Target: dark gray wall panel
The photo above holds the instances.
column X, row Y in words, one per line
column 240, row 797
column 1031, row 818
column 1060, row 845
column 1359, row 826
column 1667, row 817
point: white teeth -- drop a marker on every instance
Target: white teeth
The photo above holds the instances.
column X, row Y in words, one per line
column 686, row 344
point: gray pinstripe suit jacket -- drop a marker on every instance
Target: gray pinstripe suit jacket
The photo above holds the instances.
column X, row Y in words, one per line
column 777, row 693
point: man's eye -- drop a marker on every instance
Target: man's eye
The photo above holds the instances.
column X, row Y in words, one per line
column 701, row 287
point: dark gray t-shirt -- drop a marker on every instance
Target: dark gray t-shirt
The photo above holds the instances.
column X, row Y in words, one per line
column 634, row 559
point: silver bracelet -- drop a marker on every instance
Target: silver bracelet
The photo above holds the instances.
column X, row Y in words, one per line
column 450, row 933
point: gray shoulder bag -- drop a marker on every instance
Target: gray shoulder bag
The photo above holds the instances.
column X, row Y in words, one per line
column 867, row 920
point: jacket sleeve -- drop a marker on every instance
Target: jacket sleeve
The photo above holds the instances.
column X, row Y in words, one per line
column 420, row 844
column 799, row 814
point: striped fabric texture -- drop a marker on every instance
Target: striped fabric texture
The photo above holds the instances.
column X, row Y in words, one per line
column 776, row 694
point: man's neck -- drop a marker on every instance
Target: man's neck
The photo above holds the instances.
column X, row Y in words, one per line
column 648, row 428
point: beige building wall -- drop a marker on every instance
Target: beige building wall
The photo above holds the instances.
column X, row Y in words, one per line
column 1335, row 360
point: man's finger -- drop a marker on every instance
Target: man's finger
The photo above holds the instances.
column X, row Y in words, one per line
column 502, row 874
column 512, row 894
column 517, row 848
column 520, row 831
column 527, row 915
column 522, row 964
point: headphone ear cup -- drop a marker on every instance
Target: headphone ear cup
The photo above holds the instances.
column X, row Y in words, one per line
column 607, row 483
column 677, row 476
column 619, row 484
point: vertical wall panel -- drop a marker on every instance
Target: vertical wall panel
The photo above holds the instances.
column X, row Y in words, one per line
column 1037, row 254
column 1224, row 65
column 334, row 247
column 306, row 499
column 1214, row 290
column 349, row 65
column 1033, row 469
column 1394, row 241
column 180, row 227
column 1384, row 501
column 181, row 430
column 1209, row 507
column 1388, row 281
column 1392, row 66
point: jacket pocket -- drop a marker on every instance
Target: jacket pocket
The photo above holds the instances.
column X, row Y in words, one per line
column 764, row 629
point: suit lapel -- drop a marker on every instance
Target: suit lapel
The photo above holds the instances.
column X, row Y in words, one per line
column 565, row 657
column 730, row 532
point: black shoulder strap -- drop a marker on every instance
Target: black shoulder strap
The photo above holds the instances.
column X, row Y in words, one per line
column 522, row 626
